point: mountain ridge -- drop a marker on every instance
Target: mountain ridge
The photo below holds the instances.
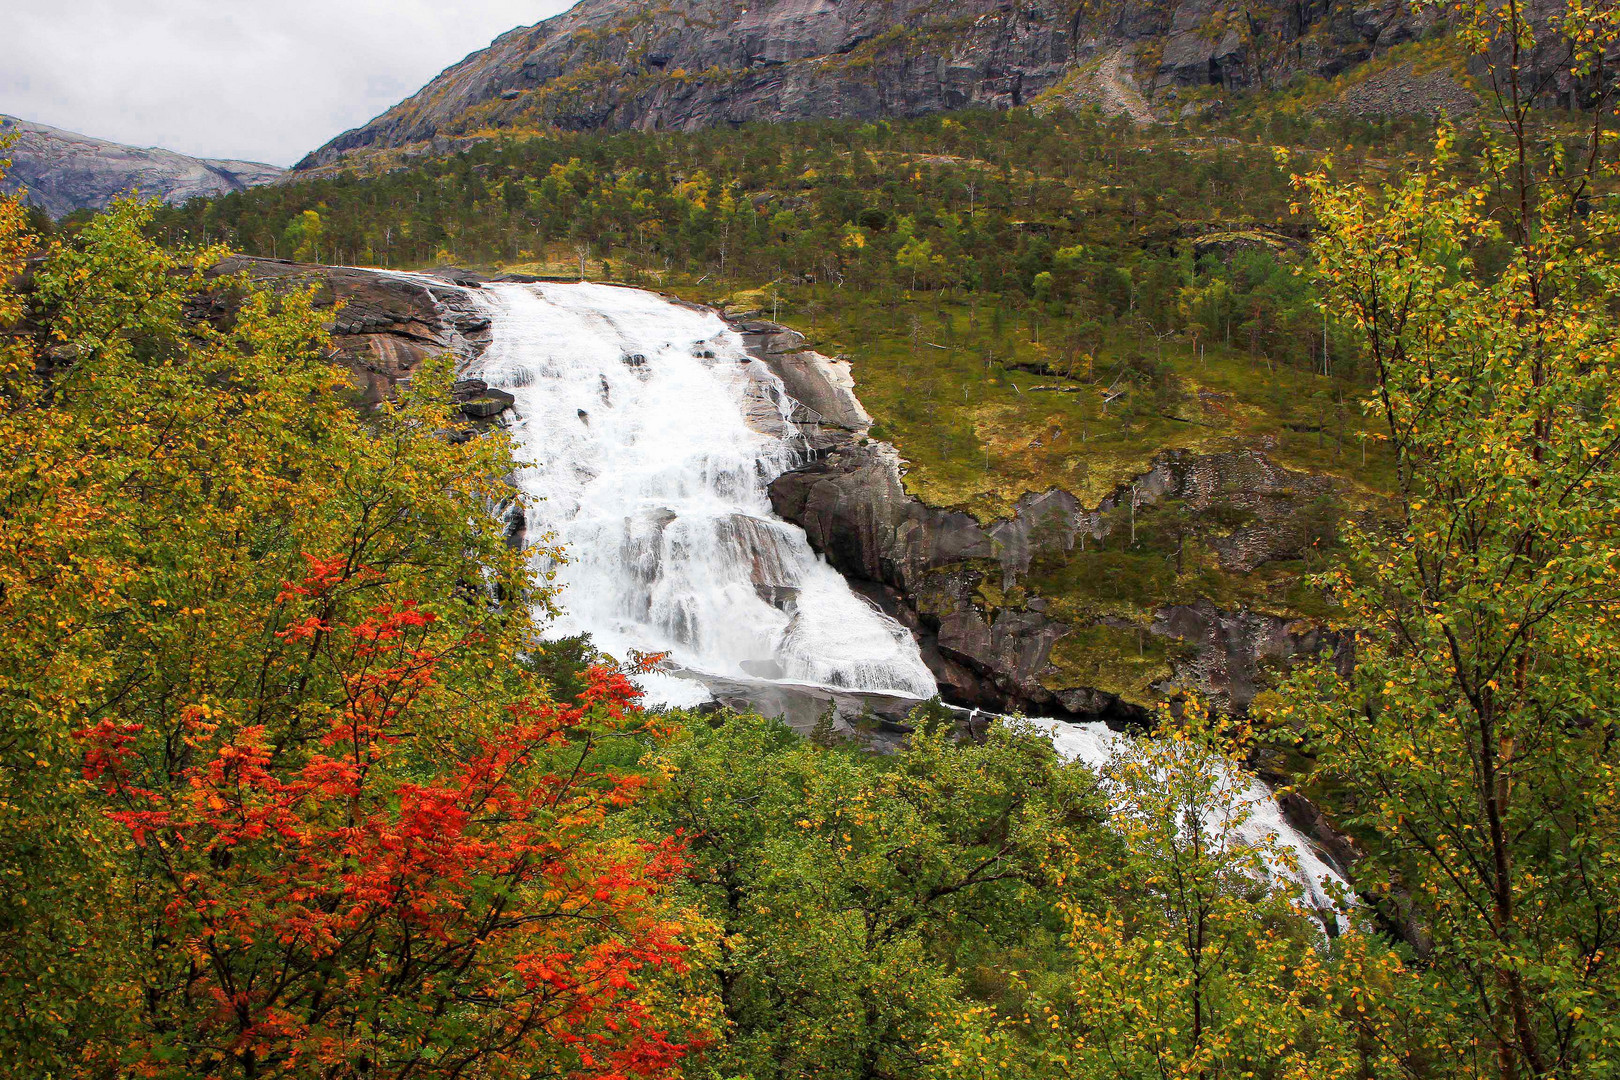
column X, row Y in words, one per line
column 690, row 64
column 64, row 171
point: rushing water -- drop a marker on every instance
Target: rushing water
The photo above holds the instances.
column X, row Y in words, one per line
column 650, row 438
column 1252, row 817
column 635, row 414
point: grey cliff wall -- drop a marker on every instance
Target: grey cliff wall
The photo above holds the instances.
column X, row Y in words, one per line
column 688, row 64
column 929, row 566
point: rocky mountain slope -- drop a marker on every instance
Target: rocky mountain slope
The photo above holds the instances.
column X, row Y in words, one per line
column 689, row 64
column 64, row 171
column 963, row 586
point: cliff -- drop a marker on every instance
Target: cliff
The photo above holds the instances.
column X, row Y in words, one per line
column 1028, row 611
column 690, row 64
column 996, row 642
column 64, row 171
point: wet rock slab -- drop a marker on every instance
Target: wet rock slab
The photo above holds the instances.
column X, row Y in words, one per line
column 383, row 326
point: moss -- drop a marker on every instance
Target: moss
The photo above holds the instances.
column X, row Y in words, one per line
column 746, row 300
column 978, row 433
column 1129, row 663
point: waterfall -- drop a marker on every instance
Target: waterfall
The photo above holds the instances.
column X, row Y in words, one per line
column 649, row 437
column 1253, row 817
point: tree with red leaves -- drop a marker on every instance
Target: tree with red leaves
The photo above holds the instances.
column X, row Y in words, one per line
column 347, row 904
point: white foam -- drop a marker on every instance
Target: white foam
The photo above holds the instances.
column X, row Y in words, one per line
column 1254, row 814
column 632, row 413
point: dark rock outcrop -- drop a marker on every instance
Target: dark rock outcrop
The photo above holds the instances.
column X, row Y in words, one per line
column 480, row 401
column 384, row 326
column 820, row 392
column 930, row 567
column 63, row 171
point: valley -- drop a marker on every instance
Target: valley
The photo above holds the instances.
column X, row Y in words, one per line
column 1117, row 455
column 829, row 540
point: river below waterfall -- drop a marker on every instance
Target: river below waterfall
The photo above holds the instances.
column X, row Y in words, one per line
column 649, row 437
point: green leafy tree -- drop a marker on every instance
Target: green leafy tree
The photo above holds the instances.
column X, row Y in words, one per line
column 918, row 258
column 1475, row 742
column 305, row 235
column 1203, row 961
column 860, row 900
column 1043, row 286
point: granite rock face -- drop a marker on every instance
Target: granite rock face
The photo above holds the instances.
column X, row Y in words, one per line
column 652, row 64
column 383, row 326
column 63, row 171
column 930, row 568
column 689, row 64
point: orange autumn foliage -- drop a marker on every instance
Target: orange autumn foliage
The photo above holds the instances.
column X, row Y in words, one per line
column 357, row 907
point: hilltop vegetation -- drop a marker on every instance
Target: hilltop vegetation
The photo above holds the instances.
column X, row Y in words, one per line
column 1030, row 303
column 944, row 254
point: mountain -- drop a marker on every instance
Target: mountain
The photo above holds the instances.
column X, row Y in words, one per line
column 64, row 171
column 689, row 64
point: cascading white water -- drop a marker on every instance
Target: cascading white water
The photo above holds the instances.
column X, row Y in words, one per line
column 633, row 412
column 1253, row 817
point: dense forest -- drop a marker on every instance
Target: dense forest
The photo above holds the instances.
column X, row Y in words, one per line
column 290, row 786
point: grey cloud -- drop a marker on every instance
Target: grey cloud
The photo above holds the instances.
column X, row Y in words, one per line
column 256, row 80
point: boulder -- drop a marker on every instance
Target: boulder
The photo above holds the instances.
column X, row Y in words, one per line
column 488, row 405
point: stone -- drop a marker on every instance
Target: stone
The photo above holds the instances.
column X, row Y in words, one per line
column 925, row 566
column 488, row 405
column 383, row 327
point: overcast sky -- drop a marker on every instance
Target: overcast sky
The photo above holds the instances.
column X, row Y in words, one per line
column 259, row 80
